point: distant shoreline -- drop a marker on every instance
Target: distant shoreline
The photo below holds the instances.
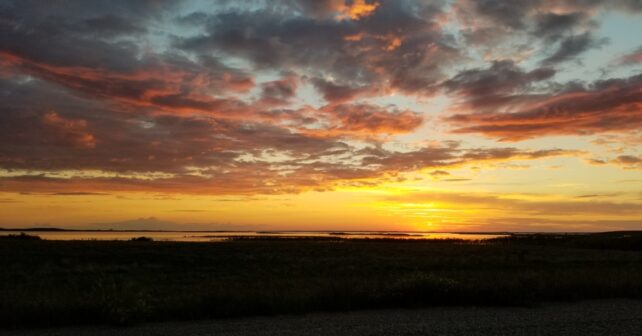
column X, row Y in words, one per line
column 344, row 232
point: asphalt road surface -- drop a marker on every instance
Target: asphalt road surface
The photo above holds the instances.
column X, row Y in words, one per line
column 608, row 317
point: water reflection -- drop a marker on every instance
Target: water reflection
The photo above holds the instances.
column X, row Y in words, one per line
column 184, row 236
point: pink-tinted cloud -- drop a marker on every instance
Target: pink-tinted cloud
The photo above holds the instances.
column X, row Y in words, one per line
column 605, row 106
column 194, row 155
column 366, row 120
column 175, row 85
column 632, row 58
column 116, row 97
column 72, row 131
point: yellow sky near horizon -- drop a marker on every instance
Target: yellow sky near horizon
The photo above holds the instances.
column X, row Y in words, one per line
column 469, row 199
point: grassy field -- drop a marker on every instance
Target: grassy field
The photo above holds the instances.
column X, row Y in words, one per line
column 45, row 283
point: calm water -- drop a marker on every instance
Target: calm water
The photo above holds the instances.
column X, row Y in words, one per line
column 219, row 236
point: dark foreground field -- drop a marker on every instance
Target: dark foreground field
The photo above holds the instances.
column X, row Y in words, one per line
column 585, row 318
column 47, row 283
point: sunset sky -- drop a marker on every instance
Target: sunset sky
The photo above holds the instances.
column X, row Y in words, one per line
column 463, row 115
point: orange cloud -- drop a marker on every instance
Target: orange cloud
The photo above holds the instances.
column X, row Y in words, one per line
column 302, row 169
column 394, row 42
column 604, row 106
column 356, row 10
column 354, row 37
column 359, row 121
column 174, row 88
column 69, row 131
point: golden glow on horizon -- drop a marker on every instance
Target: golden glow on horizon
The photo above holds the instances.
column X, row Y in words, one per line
column 408, row 205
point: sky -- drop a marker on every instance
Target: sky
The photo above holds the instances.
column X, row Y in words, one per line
column 461, row 115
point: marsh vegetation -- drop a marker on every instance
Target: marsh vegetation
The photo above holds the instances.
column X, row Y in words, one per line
column 46, row 283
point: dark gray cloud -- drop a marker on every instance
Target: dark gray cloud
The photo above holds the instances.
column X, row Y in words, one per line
column 501, row 78
column 335, row 93
column 570, row 47
column 495, row 26
column 540, row 17
column 394, row 47
column 78, row 33
column 279, row 92
column 109, row 26
column 553, row 26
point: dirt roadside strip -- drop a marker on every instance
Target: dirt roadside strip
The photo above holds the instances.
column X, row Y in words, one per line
column 606, row 317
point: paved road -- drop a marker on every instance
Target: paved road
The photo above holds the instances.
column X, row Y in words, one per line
column 611, row 317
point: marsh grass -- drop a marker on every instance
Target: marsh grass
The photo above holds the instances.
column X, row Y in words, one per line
column 45, row 283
